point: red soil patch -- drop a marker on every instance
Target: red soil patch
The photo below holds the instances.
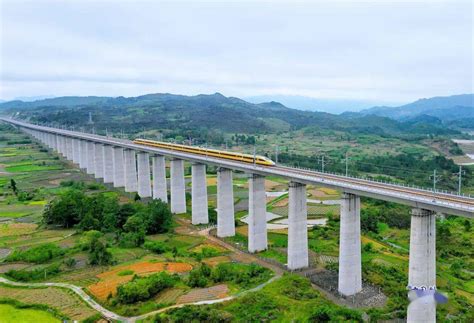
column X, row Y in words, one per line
column 110, row 280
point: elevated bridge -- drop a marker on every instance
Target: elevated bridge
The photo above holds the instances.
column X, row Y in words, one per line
column 126, row 164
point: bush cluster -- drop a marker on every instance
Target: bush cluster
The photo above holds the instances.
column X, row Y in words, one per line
column 143, row 288
column 38, row 255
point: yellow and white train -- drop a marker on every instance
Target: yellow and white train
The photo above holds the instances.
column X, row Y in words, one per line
column 247, row 158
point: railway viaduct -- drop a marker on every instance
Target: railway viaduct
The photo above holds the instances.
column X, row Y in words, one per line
column 125, row 164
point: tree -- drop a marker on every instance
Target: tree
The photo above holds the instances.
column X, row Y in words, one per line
column 368, row 221
column 13, row 186
column 67, row 209
column 98, row 253
column 137, row 197
column 134, row 234
column 157, row 217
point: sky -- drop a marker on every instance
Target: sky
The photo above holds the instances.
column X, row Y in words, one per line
column 381, row 51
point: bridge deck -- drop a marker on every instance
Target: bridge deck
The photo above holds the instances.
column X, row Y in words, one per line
column 421, row 198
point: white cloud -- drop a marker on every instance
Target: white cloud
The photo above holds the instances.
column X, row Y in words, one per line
column 365, row 50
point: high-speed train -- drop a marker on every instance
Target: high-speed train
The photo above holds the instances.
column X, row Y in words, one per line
column 247, row 158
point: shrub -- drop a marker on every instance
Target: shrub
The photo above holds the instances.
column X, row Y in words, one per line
column 192, row 313
column 143, row 288
column 156, row 247
column 36, row 274
column 331, row 314
column 299, row 288
column 255, row 307
column 38, row 255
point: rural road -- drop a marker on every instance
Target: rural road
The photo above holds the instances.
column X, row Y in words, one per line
column 111, row 315
column 76, row 289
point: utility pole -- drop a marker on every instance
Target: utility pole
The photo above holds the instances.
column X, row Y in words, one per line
column 436, row 179
column 254, row 156
column 460, row 173
column 276, row 154
column 347, row 165
column 323, row 163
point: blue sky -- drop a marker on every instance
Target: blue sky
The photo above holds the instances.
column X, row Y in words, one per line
column 384, row 51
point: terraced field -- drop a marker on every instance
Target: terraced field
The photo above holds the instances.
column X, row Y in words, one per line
column 66, row 302
column 110, row 280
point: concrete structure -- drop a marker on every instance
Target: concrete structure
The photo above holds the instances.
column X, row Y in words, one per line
column 108, row 164
column 199, row 207
column 83, row 158
column 76, row 153
column 297, row 227
column 99, row 160
column 257, row 214
column 118, row 166
column 350, row 271
column 90, row 158
column 422, row 266
column 178, row 188
column 130, row 170
column 422, row 242
column 160, row 187
column 69, row 148
column 225, row 203
column 144, row 180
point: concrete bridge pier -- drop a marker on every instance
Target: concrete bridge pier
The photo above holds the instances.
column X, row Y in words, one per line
column 160, row 187
column 99, row 160
column 53, row 142
column 75, row 151
column 118, row 167
column 108, row 164
column 90, row 158
column 84, row 155
column 60, row 145
column 225, row 203
column 422, row 264
column 350, row 269
column 257, row 228
column 63, row 146
column 297, row 227
column 144, row 180
column 178, row 188
column 200, row 214
column 130, row 169
column 69, row 148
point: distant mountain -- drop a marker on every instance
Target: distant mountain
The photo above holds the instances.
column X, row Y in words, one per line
column 193, row 116
column 32, row 98
column 65, row 101
column 445, row 108
column 305, row 103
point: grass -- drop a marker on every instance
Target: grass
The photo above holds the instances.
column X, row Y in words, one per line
column 61, row 300
column 11, row 314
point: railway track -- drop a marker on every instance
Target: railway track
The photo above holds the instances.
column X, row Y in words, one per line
column 388, row 187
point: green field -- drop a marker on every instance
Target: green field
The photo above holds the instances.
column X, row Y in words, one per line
column 11, row 314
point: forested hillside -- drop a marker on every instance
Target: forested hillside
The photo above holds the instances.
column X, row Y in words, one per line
column 201, row 113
